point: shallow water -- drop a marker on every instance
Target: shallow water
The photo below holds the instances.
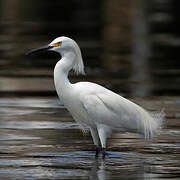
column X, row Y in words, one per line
column 39, row 140
column 38, row 137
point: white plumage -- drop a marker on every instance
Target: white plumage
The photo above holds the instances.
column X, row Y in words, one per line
column 93, row 105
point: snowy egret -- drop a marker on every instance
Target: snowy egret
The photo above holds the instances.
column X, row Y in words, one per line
column 92, row 105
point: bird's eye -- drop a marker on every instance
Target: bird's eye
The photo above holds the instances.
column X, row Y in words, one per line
column 57, row 44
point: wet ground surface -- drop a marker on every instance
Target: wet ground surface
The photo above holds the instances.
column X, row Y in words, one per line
column 40, row 140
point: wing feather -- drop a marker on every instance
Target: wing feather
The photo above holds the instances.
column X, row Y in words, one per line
column 111, row 109
column 103, row 106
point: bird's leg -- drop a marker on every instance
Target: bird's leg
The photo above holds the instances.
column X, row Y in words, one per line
column 97, row 151
column 103, row 152
column 103, row 132
column 95, row 137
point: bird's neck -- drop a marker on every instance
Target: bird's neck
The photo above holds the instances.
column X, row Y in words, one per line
column 61, row 71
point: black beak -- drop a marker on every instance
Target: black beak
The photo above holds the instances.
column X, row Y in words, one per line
column 43, row 48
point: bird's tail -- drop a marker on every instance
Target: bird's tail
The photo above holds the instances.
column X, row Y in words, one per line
column 151, row 123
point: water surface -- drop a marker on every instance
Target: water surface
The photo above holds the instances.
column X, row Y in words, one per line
column 40, row 140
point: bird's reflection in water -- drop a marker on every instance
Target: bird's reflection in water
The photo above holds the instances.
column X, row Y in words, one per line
column 102, row 170
column 98, row 170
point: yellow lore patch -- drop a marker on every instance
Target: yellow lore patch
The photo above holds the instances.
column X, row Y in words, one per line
column 56, row 44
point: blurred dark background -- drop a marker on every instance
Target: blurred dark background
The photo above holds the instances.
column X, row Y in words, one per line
column 131, row 47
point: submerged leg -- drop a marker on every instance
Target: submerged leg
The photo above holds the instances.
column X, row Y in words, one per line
column 95, row 137
column 103, row 152
column 103, row 132
column 97, row 151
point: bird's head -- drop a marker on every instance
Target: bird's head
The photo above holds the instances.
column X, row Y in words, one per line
column 64, row 45
column 60, row 45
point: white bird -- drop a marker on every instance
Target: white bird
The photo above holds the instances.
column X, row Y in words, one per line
column 92, row 105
